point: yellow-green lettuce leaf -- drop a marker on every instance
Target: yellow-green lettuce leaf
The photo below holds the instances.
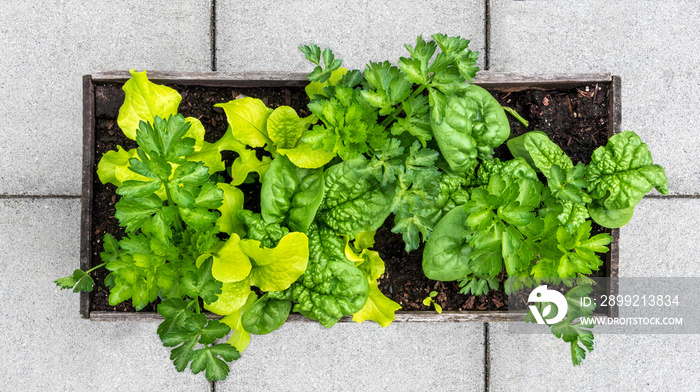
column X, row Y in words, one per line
column 378, row 308
column 196, row 132
column 248, row 120
column 240, row 338
column 228, row 222
column 246, row 163
column 143, row 101
column 110, row 161
column 284, row 127
column 305, row 157
column 233, row 296
column 210, row 153
column 230, row 262
column 277, row 268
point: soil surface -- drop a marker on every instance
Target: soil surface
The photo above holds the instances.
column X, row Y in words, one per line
column 576, row 119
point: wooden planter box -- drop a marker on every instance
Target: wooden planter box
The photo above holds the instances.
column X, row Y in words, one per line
column 488, row 80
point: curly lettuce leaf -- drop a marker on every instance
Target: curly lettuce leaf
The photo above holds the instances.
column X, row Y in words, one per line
column 248, row 120
column 231, row 264
column 304, row 155
column 277, row 268
column 232, row 297
column 232, row 202
column 111, row 160
column 378, row 308
column 284, row 127
column 143, row 101
column 240, row 338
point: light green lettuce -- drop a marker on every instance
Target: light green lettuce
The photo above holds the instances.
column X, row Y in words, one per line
column 277, row 268
column 143, row 101
column 378, row 307
column 280, row 131
column 240, row 338
column 229, row 222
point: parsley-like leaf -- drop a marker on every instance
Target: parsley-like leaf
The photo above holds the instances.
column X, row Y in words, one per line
column 78, row 281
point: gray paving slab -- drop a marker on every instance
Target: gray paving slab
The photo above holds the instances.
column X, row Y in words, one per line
column 617, row 363
column 47, row 46
column 652, row 44
column 662, row 239
column 45, row 345
column 264, row 35
column 364, row 357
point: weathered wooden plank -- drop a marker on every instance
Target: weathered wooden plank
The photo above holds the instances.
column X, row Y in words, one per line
column 401, row 317
column 258, row 79
column 616, row 104
column 213, row 79
column 86, row 197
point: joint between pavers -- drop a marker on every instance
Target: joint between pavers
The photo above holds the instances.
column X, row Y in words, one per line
column 10, row 197
column 487, row 35
column 672, row 196
column 212, row 34
column 487, row 361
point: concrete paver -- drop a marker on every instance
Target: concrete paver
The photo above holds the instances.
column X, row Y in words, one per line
column 45, row 343
column 662, row 240
column 363, row 357
column 653, row 45
column 264, row 35
column 617, row 363
column 46, row 48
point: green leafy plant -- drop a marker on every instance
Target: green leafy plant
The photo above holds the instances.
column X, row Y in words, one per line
column 414, row 140
column 430, row 300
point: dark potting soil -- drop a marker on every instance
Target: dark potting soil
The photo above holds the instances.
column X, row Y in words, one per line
column 576, row 119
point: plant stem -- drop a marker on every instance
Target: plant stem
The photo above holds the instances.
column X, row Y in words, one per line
column 94, row 268
column 516, row 115
column 398, row 110
column 172, row 204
